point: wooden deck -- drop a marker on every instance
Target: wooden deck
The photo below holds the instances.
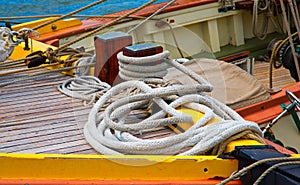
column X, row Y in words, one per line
column 36, row 118
column 281, row 77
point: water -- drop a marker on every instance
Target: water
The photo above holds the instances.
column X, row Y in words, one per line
column 46, row 7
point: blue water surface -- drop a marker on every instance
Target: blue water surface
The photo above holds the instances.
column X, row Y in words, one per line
column 9, row 8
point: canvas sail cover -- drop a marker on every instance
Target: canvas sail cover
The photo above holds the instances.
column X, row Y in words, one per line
column 232, row 85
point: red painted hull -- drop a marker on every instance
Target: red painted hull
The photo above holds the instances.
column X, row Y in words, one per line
column 265, row 111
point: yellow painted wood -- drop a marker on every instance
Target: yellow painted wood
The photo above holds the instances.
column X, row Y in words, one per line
column 214, row 41
column 295, row 155
column 100, row 167
column 196, row 115
column 179, row 128
column 19, row 52
column 59, row 25
column 241, row 142
column 237, row 30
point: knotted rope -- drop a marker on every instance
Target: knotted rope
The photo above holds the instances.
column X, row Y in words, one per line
column 109, row 133
column 53, row 55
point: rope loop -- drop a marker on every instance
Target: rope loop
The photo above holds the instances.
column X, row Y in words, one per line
column 134, row 68
column 115, row 130
column 7, row 43
column 86, row 88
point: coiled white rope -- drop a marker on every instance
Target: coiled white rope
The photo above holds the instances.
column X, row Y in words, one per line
column 137, row 68
column 109, row 133
column 84, row 61
column 6, row 43
column 86, row 88
column 132, row 68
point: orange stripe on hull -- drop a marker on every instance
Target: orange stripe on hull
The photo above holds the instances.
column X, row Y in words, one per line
column 92, row 23
column 265, row 111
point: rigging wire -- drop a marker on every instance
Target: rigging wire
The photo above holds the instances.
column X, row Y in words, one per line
column 290, row 38
column 265, row 173
column 246, row 169
column 151, row 16
column 65, row 46
column 38, row 75
column 105, row 26
column 66, row 15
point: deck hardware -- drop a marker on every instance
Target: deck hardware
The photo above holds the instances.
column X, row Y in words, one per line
column 295, row 102
column 285, row 174
column 53, row 27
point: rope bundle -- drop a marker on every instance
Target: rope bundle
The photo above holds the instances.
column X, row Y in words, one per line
column 132, row 68
column 137, row 68
column 6, row 43
column 109, row 133
column 87, row 88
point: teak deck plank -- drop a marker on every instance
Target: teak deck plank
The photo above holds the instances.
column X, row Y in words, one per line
column 40, row 138
column 36, row 118
column 281, row 77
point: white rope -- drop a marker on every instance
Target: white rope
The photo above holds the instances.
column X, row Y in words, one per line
column 84, row 61
column 6, row 43
column 135, row 68
column 85, row 88
column 109, row 132
column 196, row 140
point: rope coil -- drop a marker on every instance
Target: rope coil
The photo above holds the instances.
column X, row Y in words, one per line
column 6, row 43
column 109, row 132
column 132, row 68
column 198, row 139
column 87, row 88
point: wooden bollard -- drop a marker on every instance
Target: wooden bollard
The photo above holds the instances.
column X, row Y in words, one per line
column 107, row 47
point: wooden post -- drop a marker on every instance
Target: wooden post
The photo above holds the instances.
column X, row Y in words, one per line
column 107, row 47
